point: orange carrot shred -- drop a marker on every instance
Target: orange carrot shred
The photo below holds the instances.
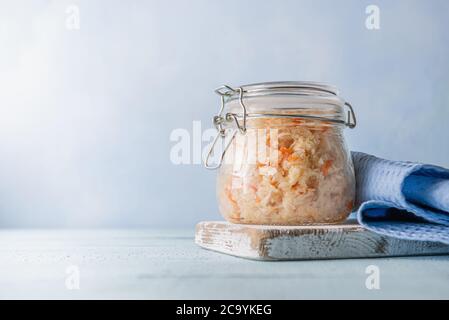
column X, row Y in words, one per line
column 230, row 197
column 326, row 166
column 285, row 150
column 293, row 157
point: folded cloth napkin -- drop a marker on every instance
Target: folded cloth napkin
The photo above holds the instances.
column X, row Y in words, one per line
column 402, row 199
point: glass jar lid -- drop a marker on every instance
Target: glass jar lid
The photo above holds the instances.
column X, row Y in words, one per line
column 283, row 87
column 287, row 99
column 292, row 99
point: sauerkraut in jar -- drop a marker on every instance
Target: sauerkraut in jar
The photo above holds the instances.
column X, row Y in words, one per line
column 284, row 159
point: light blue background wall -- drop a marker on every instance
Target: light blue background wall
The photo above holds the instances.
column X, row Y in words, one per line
column 85, row 116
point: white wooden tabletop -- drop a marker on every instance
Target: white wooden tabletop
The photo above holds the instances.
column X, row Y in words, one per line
column 166, row 264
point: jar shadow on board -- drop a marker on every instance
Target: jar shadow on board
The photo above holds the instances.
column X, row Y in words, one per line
column 283, row 158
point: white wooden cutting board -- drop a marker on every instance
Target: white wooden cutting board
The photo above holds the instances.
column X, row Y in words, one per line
column 349, row 240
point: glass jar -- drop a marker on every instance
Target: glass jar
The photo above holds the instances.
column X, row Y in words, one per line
column 283, row 157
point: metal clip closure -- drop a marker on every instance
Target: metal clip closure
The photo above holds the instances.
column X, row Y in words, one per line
column 351, row 121
column 219, row 120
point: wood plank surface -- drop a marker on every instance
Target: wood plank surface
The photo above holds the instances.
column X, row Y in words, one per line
column 348, row 240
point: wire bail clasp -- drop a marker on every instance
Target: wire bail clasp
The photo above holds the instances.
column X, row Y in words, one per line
column 220, row 120
column 351, row 120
